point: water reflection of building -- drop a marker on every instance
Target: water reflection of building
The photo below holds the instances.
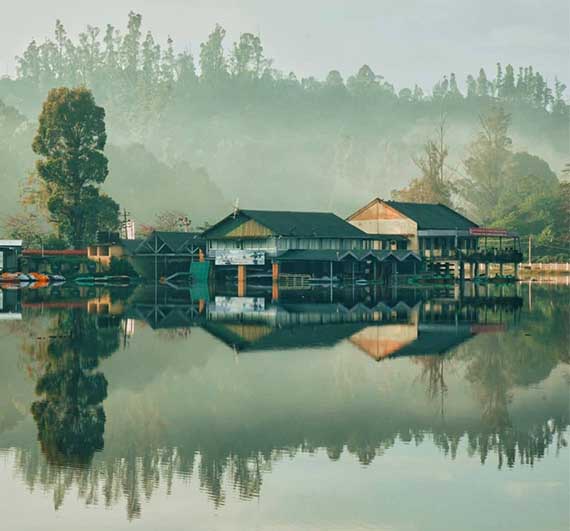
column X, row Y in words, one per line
column 224, row 437
column 10, row 307
column 381, row 328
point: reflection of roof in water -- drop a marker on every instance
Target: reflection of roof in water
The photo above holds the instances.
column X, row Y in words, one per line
column 242, row 337
column 378, row 340
column 435, row 339
column 380, row 329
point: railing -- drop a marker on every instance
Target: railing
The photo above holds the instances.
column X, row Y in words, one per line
column 561, row 266
column 495, row 256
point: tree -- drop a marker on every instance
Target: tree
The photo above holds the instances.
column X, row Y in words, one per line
column 488, row 157
column 364, row 81
column 247, row 60
column 169, row 221
column 454, row 91
column 471, row 87
column 212, row 61
column 434, row 185
column 25, row 226
column 334, row 79
column 70, row 140
column 483, row 85
column 546, row 217
column 525, row 176
column 130, row 49
column 559, row 106
column 185, row 69
column 507, row 90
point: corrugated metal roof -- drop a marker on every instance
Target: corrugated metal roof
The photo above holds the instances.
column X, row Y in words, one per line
column 178, row 242
column 291, row 224
column 432, row 216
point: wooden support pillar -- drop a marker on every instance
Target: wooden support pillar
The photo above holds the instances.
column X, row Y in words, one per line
column 275, row 281
column 241, row 280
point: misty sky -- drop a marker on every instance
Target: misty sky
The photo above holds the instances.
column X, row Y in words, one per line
column 406, row 41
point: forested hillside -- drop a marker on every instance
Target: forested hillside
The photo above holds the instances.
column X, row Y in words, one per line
column 195, row 132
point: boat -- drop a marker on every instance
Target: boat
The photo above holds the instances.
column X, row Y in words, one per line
column 92, row 280
column 430, row 279
column 27, row 279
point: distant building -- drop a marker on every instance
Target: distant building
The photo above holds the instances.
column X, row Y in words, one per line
column 320, row 244
column 275, row 232
column 10, row 251
column 431, row 229
column 164, row 253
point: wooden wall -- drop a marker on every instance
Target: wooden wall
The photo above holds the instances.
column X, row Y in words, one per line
column 380, row 218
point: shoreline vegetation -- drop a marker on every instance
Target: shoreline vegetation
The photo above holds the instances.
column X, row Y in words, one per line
column 184, row 132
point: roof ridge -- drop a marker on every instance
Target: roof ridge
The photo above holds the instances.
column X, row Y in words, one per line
column 288, row 211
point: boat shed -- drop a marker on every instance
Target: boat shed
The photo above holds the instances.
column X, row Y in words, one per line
column 273, row 232
column 320, row 245
column 162, row 254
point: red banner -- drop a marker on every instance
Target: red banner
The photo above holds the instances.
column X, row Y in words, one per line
column 55, row 252
column 484, row 231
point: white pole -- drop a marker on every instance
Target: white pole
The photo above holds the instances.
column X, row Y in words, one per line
column 529, row 251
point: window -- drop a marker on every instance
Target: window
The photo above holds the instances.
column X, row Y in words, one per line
column 103, row 250
column 93, row 250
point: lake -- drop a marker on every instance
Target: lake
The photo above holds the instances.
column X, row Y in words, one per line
column 360, row 409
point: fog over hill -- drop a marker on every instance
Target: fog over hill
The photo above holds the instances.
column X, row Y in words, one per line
column 195, row 131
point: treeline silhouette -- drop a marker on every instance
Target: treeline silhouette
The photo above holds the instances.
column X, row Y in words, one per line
column 115, row 64
column 194, row 129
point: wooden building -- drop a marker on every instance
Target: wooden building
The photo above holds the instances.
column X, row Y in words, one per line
column 439, row 234
column 319, row 244
column 107, row 245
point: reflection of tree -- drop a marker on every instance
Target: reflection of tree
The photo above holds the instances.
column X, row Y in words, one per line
column 218, row 461
column 70, row 417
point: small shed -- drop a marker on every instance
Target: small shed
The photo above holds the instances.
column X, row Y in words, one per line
column 10, row 251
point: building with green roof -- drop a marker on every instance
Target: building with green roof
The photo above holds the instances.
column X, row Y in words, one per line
column 439, row 234
column 320, row 244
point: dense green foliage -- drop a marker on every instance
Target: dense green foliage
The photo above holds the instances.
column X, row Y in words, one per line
column 70, row 140
column 194, row 137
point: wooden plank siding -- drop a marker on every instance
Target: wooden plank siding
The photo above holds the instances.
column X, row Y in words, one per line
column 379, row 218
column 250, row 229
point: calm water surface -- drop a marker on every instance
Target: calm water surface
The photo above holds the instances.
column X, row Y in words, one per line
column 150, row 409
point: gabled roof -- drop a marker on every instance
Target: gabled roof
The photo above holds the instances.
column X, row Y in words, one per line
column 131, row 245
column 432, row 216
column 291, row 224
column 177, row 242
column 11, row 243
column 331, row 255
